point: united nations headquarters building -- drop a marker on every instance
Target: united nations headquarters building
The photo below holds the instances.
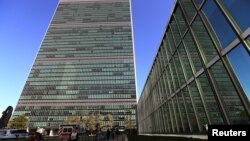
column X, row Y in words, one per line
column 85, row 66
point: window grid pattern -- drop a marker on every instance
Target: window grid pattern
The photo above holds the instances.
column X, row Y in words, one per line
column 196, row 85
column 85, row 58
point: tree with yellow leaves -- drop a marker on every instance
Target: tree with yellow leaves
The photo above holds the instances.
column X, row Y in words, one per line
column 128, row 123
column 72, row 120
column 109, row 120
column 20, row 122
column 99, row 119
column 90, row 122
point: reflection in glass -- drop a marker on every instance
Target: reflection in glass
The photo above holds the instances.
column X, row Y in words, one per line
column 204, row 39
column 228, row 94
column 218, row 23
column 240, row 61
column 239, row 9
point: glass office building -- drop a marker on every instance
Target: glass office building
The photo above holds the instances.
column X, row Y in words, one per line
column 85, row 65
column 200, row 75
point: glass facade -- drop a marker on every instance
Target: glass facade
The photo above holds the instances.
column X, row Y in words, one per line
column 85, row 65
column 200, row 75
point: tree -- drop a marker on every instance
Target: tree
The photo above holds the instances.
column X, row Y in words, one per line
column 90, row 122
column 20, row 122
column 127, row 122
column 72, row 120
column 99, row 121
column 109, row 120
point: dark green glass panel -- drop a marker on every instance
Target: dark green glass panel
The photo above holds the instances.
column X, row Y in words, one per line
column 185, row 61
column 198, row 105
column 190, row 110
column 204, row 40
column 183, row 113
column 193, row 51
column 189, row 9
column 228, row 94
column 175, row 32
column 179, row 69
column 171, row 41
column 211, row 104
column 180, row 20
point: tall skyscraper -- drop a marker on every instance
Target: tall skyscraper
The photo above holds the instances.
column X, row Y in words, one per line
column 85, row 65
column 200, row 75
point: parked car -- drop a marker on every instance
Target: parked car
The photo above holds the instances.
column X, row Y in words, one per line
column 13, row 133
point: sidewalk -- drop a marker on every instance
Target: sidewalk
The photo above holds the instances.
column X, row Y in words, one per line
column 122, row 137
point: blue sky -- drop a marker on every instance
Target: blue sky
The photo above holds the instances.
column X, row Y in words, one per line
column 24, row 24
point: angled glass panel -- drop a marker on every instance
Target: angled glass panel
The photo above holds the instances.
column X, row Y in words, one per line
column 180, row 20
column 183, row 113
column 175, row 31
column 228, row 94
column 240, row 61
column 165, row 53
column 177, row 114
column 169, row 120
column 185, row 61
column 211, row 104
column 198, row 105
column 174, row 74
column 162, row 88
column 179, row 69
column 168, row 47
column 163, row 57
column 198, row 2
column 170, row 79
column 204, row 39
column 189, row 9
column 164, row 119
column 171, row 41
column 193, row 51
column 190, row 110
column 166, row 84
column 172, row 114
column 218, row 23
column 239, row 9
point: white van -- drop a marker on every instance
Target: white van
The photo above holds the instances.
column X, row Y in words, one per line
column 13, row 133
